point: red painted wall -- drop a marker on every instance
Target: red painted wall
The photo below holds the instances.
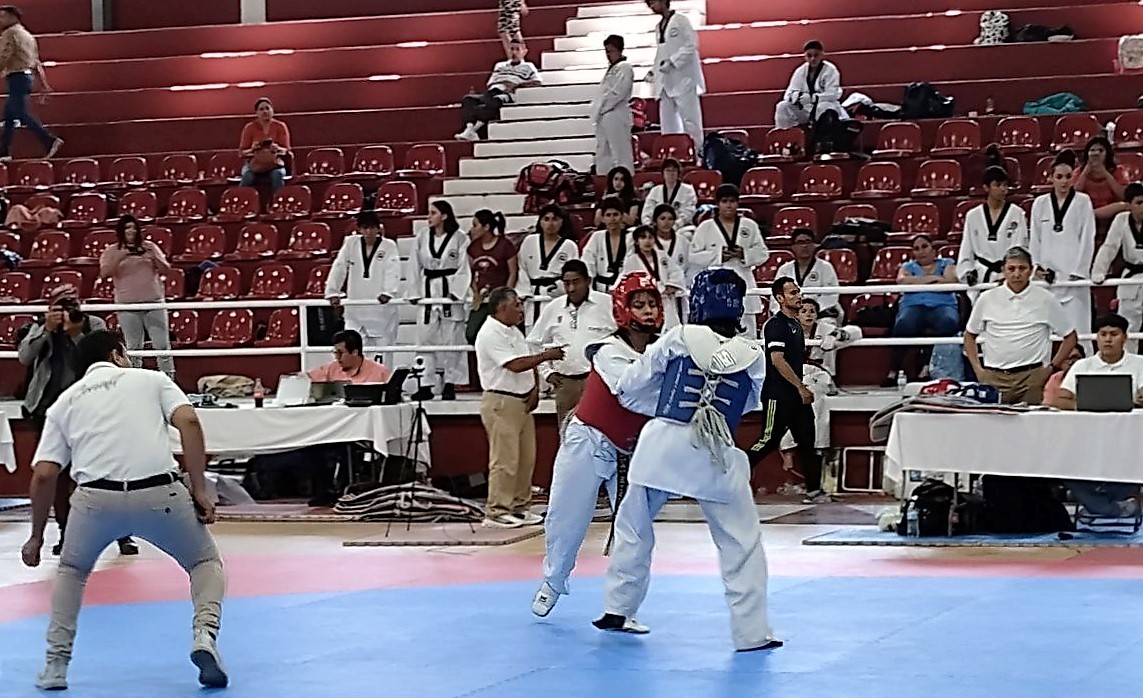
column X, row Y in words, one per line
column 152, row 14
column 280, row 10
column 55, row 16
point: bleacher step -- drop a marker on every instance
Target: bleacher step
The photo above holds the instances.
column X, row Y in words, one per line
column 485, row 185
column 532, row 112
column 614, row 9
column 510, row 167
column 559, row 128
column 556, row 147
column 470, row 204
column 557, row 60
column 625, row 25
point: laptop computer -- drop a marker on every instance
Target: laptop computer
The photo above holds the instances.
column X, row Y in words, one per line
column 367, row 394
column 326, row 392
column 1104, row 393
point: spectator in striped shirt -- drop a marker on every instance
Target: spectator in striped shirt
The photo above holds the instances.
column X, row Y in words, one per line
column 476, row 111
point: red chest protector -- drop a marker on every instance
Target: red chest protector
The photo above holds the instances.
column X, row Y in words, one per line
column 599, row 408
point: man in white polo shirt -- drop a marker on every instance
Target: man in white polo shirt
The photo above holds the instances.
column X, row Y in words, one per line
column 507, row 368
column 1016, row 321
column 112, row 426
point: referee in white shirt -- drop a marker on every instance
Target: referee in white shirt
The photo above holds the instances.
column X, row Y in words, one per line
column 112, row 426
column 582, row 316
column 507, row 369
column 1016, row 320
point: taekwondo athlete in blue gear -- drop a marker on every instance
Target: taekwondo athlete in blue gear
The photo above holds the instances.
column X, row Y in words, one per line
column 704, row 378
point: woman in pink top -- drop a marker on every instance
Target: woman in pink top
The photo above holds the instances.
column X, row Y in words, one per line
column 1101, row 179
column 134, row 265
column 1052, row 387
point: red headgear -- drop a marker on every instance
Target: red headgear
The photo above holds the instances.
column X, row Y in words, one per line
column 627, row 286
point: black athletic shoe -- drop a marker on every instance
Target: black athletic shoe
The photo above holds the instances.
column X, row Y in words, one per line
column 771, row 644
column 128, row 546
column 620, row 624
column 449, row 392
column 57, row 548
column 425, row 394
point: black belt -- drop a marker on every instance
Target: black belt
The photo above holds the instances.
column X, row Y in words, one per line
column 1132, row 269
column 133, row 485
column 990, row 267
column 1016, row 369
column 430, row 276
column 518, row 396
column 576, row 377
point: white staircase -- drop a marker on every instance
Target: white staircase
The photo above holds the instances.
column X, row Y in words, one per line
column 553, row 121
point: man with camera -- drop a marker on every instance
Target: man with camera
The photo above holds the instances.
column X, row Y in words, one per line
column 49, row 350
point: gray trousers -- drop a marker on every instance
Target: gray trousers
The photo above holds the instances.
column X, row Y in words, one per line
column 163, row 516
column 1103, row 498
column 138, row 324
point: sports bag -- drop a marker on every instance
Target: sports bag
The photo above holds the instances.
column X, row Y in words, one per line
column 922, row 101
column 993, row 28
column 1131, row 52
column 1058, row 103
column 552, row 181
column 728, row 156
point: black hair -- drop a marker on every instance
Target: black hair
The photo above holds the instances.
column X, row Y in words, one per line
column 661, row 209
column 726, row 191
column 567, row 225
column 14, row 11
column 921, row 236
column 575, row 266
column 1111, row 320
column 488, row 219
column 1079, row 347
column 451, row 224
column 121, row 230
column 616, row 41
column 644, row 230
column 352, row 340
column 1132, row 191
column 612, row 203
column 799, row 232
column 813, row 302
column 258, row 102
column 671, row 163
column 499, row 296
column 778, row 286
column 100, row 345
column 627, row 194
column 1065, row 157
column 813, row 45
column 516, row 41
column 995, row 174
column 1108, row 151
column 368, row 219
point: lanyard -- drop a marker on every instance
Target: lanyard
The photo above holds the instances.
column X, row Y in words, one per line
column 994, row 225
column 1061, row 212
column 367, row 255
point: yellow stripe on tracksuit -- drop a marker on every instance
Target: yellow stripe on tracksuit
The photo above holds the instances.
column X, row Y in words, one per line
column 768, row 429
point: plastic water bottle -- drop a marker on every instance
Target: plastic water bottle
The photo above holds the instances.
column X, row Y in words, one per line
column 902, row 381
column 259, row 392
column 912, row 522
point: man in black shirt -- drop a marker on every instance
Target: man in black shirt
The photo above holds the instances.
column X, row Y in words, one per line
column 787, row 403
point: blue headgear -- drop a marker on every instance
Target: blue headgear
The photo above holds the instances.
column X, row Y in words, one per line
column 717, row 294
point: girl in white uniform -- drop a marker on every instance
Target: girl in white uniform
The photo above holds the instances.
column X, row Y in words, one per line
column 677, row 73
column 368, row 267
column 990, row 230
column 438, row 268
column 1126, row 237
column 1063, row 241
column 542, row 255
column 620, row 185
column 677, row 244
column 606, row 249
column 674, row 192
column 646, row 256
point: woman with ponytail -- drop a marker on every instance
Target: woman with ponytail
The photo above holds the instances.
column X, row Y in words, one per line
column 492, row 261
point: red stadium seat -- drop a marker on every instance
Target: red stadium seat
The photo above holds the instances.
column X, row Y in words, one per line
column 230, row 328
column 1131, row 164
column 94, row 243
column 185, row 206
column 308, row 240
column 784, row 145
column 184, row 328
column 949, row 252
column 888, row 262
column 736, row 134
column 844, row 262
column 238, row 204
column 762, row 185
column 1129, row 131
column 878, row 180
column 672, row 145
column 1018, row 134
column 112, row 320
column 322, row 165
column 203, row 242
column 55, row 279
column 177, row 170
column 272, row 280
column 141, row 204
column 956, row 137
column 3, row 175
column 819, row 183
column 11, row 240
column 396, row 199
column 282, row 329
column 219, row 284
column 959, row 213
column 80, row 173
column 917, row 217
column 292, row 202
column 1074, row 131
column 255, row 241
column 163, row 237
column 866, row 211
column 371, row 165
column 126, row 173
column 174, row 284
column 42, row 200
column 342, row 200
column 222, row 168
column 315, row 284
column 49, row 248
column 791, row 217
column 1042, row 179
column 768, row 270
column 424, row 161
column 870, row 300
column 938, row 178
column 705, row 182
column 10, row 326
column 899, row 139
column 32, row 176
column 103, row 291
column 15, row 287
column 85, row 210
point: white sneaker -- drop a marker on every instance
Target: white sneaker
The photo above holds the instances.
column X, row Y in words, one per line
column 501, row 521
column 527, row 518
column 468, row 134
column 204, row 655
column 53, row 677
column 544, row 600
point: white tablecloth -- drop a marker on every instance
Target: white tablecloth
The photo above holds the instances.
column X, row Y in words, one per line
column 7, row 444
column 247, row 430
column 1068, row 445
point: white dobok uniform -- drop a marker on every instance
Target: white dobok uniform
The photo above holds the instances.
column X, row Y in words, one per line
column 678, row 78
column 802, row 94
column 986, row 241
column 1067, row 251
column 710, row 239
column 682, row 197
column 604, row 262
column 701, row 384
column 539, row 269
column 611, row 114
column 588, row 456
column 678, row 249
column 667, row 275
column 820, row 274
column 365, row 277
column 438, row 268
column 1124, row 237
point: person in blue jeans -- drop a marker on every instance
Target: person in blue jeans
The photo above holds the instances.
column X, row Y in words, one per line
column 924, row 313
column 20, row 62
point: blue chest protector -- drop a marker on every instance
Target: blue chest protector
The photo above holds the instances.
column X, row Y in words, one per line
column 686, row 388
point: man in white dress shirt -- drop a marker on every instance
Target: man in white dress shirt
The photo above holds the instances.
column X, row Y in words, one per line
column 1016, row 321
column 580, row 318
column 815, row 88
column 1125, row 237
column 611, row 110
column 1113, row 499
column 990, row 230
column 677, row 74
column 368, row 268
column 112, row 426
column 507, row 368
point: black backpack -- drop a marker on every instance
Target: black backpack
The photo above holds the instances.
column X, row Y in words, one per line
column 933, row 501
column 732, row 158
column 923, row 101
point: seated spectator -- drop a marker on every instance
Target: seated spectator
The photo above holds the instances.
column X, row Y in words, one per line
column 1111, row 499
column 606, row 249
column 674, row 192
column 349, row 364
column 811, row 271
column 620, row 185
column 1052, row 387
column 648, row 256
column 29, row 220
column 923, row 313
column 830, row 336
column 477, row 111
column 814, row 89
column 1101, row 179
column 265, row 143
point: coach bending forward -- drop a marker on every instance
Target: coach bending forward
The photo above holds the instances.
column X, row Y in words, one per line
column 111, row 425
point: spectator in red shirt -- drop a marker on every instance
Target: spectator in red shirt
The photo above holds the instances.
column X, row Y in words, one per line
column 349, row 365
column 1101, row 179
column 492, row 258
column 264, row 143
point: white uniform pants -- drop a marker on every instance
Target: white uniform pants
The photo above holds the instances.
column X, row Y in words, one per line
column 586, row 460
column 378, row 326
column 737, row 534
column 163, row 516
column 1132, row 310
column 613, row 141
column 442, row 331
column 682, row 114
column 1077, row 307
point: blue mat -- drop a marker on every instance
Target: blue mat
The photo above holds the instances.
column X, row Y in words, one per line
column 869, row 535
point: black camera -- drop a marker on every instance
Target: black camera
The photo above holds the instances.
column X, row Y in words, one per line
column 71, row 307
